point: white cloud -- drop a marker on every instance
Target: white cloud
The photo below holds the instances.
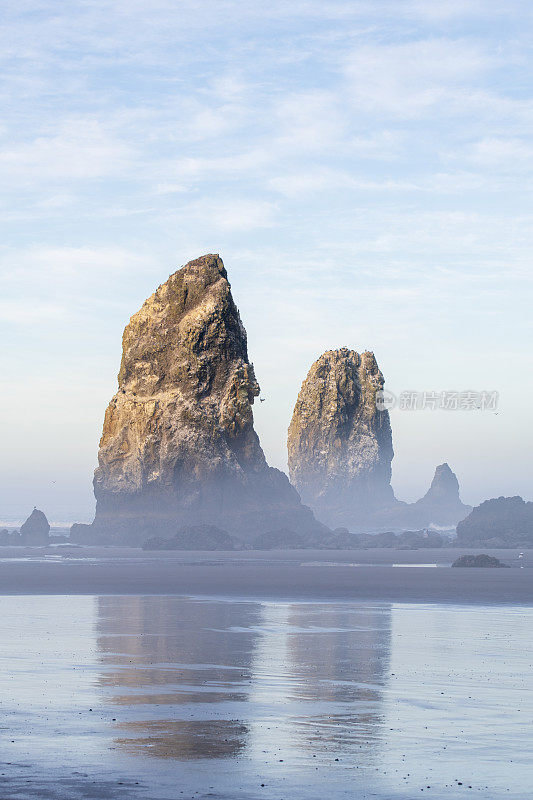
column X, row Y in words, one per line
column 78, row 149
column 306, row 183
column 309, row 121
column 232, row 215
column 66, row 263
column 408, row 79
column 21, row 312
column 504, row 153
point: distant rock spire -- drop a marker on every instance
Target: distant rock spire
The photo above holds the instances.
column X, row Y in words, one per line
column 444, row 489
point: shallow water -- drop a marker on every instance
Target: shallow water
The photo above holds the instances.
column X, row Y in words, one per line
column 157, row 697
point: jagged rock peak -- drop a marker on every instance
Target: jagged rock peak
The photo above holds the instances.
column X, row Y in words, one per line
column 339, row 442
column 444, row 487
column 178, row 445
column 186, row 382
column 441, row 505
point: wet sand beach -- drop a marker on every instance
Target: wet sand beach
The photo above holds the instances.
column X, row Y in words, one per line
column 381, row 575
column 283, row 675
column 158, row 698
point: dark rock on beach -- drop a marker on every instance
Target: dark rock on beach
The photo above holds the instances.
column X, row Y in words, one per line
column 481, row 560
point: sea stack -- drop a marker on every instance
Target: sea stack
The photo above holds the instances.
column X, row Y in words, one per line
column 339, row 441
column 441, row 504
column 36, row 529
column 178, row 445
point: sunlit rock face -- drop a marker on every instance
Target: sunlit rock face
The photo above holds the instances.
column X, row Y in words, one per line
column 178, row 445
column 339, row 442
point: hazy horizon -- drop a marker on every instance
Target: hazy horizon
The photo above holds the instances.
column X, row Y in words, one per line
column 362, row 171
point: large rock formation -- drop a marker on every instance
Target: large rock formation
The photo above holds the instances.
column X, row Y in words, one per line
column 500, row 522
column 178, row 445
column 339, row 442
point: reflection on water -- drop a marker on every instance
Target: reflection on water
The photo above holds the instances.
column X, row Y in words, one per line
column 184, row 739
column 157, row 698
column 258, row 677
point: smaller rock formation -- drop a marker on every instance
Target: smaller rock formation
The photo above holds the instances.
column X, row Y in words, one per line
column 339, row 442
column 441, row 506
column 500, row 522
column 36, row 529
column 195, row 537
column 481, row 560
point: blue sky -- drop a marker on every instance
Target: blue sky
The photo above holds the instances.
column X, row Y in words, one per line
column 363, row 168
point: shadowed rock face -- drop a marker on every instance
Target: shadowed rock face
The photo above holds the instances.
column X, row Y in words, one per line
column 36, row 529
column 500, row 522
column 339, row 443
column 441, row 505
column 178, row 445
column 444, row 489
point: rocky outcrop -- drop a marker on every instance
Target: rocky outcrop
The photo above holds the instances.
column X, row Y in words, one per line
column 195, row 537
column 481, row 560
column 339, row 442
column 36, row 529
column 178, row 445
column 500, row 522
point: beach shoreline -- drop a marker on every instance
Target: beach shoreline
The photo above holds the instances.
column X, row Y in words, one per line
column 420, row 576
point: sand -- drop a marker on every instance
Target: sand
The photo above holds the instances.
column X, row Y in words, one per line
column 419, row 576
column 162, row 698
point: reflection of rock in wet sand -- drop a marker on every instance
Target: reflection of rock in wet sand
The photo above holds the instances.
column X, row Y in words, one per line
column 160, row 654
column 325, row 665
column 192, row 679
column 184, row 739
column 163, row 641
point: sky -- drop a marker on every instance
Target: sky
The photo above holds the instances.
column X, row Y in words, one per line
column 363, row 169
